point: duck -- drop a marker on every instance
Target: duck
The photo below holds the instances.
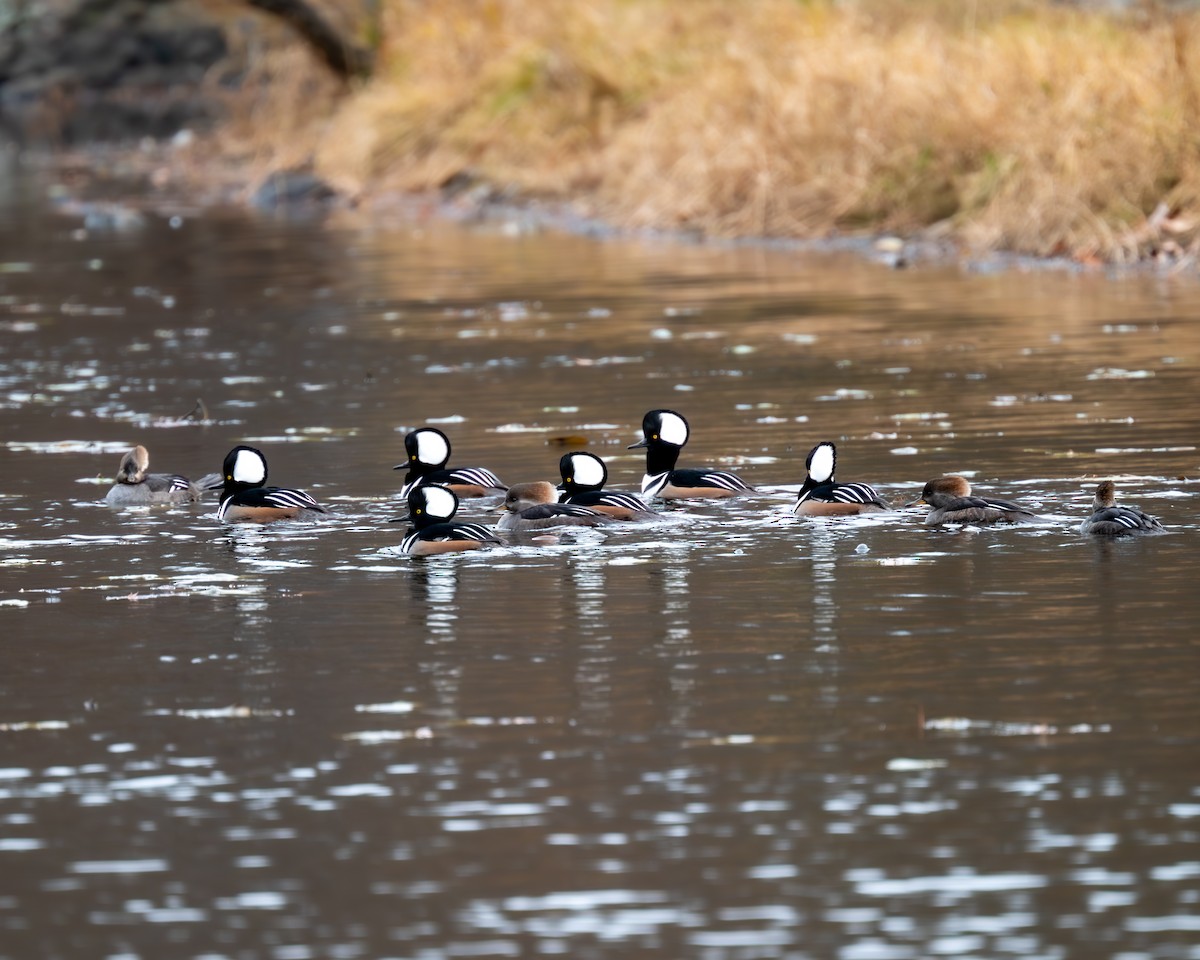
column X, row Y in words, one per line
column 1109, row 520
column 428, row 451
column 952, row 502
column 583, row 478
column 134, row 486
column 822, row 496
column 244, row 496
column 535, row 506
column 664, row 434
column 431, row 508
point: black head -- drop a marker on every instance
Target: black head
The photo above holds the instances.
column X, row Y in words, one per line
column 663, row 427
column 244, row 467
column 427, row 447
column 430, row 504
column 582, row 471
column 821, row 462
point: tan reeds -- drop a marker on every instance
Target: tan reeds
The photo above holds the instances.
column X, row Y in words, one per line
column 1019, row 125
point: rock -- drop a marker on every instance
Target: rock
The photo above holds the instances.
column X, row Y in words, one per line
column 294, row 191
column 74, row 71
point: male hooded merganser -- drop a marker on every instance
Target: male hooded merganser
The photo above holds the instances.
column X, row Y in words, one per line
column 245, row 498
column 1109, row 520
column 534, row 506
column 430, row 510
column 952, row 502
column 821, row 496
column 135, row 487
column 664, row 433
column 428, row 451
column 583, row 479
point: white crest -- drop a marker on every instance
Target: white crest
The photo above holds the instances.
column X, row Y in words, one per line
column 432, row 448
column 673, row 429
column 440, row 502
column 821, row 462
column 588, row 469
column 249, row 467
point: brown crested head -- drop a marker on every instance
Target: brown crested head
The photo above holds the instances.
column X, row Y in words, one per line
column 942, row 490
column 521, row 496
column 1106, row 495
column 134, row 465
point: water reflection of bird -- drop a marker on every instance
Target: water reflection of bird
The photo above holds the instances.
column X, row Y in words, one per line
column 135, row 487
column 1108, row 519
column 822, row 496
column 664, row 434
column 952, row 502
column 428, row 452
column 430, row 510
column 583, row 478
column 244, row 496
column 534, row 506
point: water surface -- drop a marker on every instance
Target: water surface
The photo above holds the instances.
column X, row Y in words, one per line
column 730, row 734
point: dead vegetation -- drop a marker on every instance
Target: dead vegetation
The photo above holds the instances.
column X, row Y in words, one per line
column 1015, row 124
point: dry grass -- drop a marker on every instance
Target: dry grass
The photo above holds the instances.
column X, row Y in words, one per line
column 1018, row 125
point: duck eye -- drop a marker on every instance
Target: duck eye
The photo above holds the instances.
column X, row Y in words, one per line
column 655, row 437
column 228, row 476
column 417, row 511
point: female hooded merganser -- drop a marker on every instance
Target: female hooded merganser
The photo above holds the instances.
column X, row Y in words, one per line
column 583, row 479
column 534, row 506
column 1109, row 520
column 135, row 487
column 428, row 451
column 664, row 433
column 821, row 496
column 430, row 510
column 952, row 502
column 245, row 498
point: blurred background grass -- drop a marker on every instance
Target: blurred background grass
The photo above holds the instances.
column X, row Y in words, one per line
column 1024, row 125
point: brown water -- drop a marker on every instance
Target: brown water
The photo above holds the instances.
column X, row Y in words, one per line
column 732, row 734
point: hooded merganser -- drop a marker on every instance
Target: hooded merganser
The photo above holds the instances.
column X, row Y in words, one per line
column 583, row 479
column 428, row 451
column 245, row 498
column 534, row 506
column 430, row 510
column 821, row 496
column 952, row 502
column 1108, row 519
column 135, row 487
column 664, row 433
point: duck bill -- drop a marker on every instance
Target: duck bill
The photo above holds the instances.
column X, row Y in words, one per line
column 917, row 502
column 641, row 443
column 407, row 465
column 407, row 518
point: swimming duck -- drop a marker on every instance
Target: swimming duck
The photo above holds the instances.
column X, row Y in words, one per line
column 664, row 433
column 821, row 496
column 428, row 451
column 583, row 479
column 534, row 506
column 244, row 497
column 952, row 502
column 430, row 510
column 135, row 487
column 1109, row 520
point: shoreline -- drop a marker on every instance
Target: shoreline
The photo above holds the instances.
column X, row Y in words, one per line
column 120, row 183
column 1028, row 135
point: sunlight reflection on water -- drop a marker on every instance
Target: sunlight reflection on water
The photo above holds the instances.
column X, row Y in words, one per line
column 731, row 733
